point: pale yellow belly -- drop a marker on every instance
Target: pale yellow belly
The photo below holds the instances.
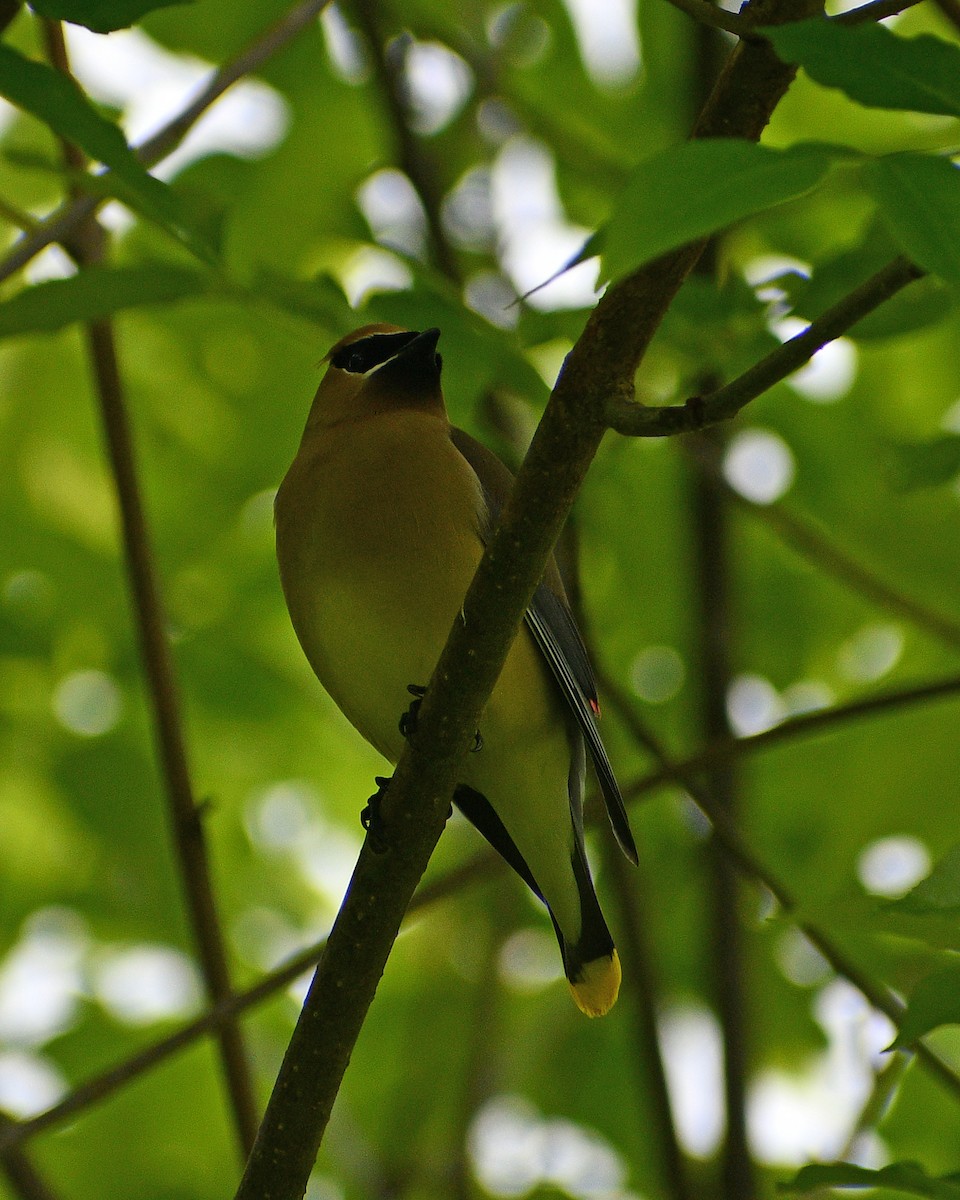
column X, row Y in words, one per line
column 375, row 572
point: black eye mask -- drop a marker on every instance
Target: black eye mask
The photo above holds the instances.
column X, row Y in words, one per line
column 369, row 352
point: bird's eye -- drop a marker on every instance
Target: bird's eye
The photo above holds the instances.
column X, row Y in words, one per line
column 355, row 362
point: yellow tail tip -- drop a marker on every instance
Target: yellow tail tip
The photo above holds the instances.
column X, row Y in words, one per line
column 596, row 991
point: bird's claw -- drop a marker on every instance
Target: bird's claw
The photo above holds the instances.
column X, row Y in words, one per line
column 372, row 819
column 408, row 722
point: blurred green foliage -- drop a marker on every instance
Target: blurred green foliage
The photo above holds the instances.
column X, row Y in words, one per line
column 219, row 361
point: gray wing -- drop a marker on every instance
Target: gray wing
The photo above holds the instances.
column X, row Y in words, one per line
column 554, row 630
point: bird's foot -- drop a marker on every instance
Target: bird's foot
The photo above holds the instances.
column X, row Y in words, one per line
column 371, row 817
column 408, row 722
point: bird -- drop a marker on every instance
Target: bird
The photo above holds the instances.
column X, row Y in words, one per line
column 381, row 521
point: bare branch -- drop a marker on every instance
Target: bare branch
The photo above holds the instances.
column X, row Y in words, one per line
column 636, row 420
column 411, row 155
column 58, row 226
column 794, row 727
column 715, row 619
column 23, row 1178
column 644, row 990
column 8, row 10
column 951, row 10
column 185, row 816
column 86, row 244
column 97, row 1089
column 726, row 832
column 876, row 10
column 815, row 544
column 416, row 804
column 260, row 51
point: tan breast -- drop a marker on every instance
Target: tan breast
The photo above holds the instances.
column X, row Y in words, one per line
column 377, row 540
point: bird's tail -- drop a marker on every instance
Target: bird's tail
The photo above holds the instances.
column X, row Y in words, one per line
column 591, row 964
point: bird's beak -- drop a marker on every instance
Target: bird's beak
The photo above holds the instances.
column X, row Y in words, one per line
column 416, row 366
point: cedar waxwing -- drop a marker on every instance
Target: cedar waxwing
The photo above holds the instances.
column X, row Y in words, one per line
column 381, row 523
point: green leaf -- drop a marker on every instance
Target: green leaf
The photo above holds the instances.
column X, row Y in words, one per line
column 102, row 16
column 905, row 1177
column 92, row 293
column 938, row 894
column 58, row 102
column 873, row 66
column 698, row 187
column 320, row 299
column 919, row 198
column 926, row 464
column 935, row 1001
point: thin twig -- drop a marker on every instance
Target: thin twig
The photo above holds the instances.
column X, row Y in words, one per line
column 8, row 10
column 640, row 975
column 802, row 725
column 726, row 832
column 22, row 1176
column 876, row 10
column 410, row 154
column 86, row 244
column 21, row 220
column 644, row 990
column 637, row 420
column 186, row 819
column 58, row 226
column 98, row 1088
column 716, row 622
column 712, row 15
column 810, row 540
column 951, row 10
column 885, row 1083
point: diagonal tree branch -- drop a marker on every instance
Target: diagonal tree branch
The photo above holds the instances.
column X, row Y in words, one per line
column 874, row 10
column 415, row 807
column 951, row 10
column 807, row 538
column 59, row 225
column 799, row 726
column 636, row 420
column 729, row 836
column 86, row 244
column 23, row 1178
column 99, row 1087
